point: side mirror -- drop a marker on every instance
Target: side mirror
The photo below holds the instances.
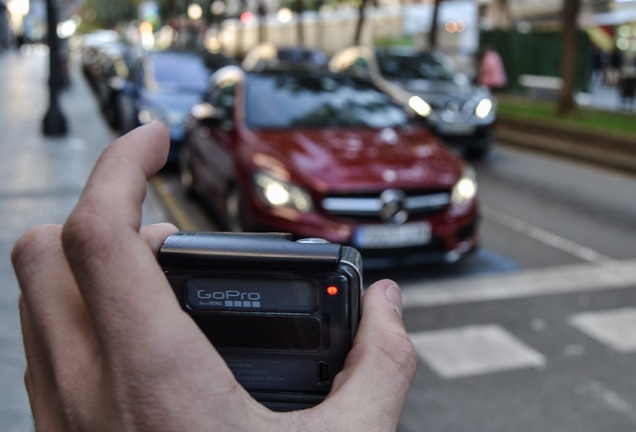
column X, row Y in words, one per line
column 211, row 116
column 205, row 112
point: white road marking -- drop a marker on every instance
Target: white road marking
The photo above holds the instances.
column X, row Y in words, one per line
column 543, row 236
column 614, row 328
column 608, row 397
column 474, row 350
column 525, row 283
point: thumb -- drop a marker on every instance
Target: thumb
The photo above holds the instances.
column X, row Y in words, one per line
column 372, row 387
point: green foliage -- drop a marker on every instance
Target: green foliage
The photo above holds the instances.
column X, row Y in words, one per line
column 610, row 122
column 107, row 14
column 391, row 42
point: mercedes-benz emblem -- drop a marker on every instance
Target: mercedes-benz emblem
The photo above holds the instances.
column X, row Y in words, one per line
column 453, row 106
column 393, row 209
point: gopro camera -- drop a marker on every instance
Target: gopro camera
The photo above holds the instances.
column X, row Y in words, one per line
column 282, row 313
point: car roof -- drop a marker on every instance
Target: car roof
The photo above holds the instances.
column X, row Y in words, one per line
column 270, row 56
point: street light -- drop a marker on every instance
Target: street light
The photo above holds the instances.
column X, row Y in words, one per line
column 54, row 123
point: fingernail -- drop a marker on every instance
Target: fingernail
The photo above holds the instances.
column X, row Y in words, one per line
column 393, row 295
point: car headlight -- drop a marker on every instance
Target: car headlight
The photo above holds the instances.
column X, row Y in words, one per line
column 279, row 193
column 420, row 106
column 465, row 190
column 483, row 108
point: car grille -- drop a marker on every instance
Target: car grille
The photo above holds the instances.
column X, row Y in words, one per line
column 369, row 206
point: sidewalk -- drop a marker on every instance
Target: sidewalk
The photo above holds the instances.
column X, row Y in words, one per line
column 41, row 181
column 601, row 97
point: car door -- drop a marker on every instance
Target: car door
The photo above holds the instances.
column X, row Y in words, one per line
column 212, row 155
column 127, row 97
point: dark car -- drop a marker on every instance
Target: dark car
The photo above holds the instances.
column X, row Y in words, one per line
column 162, row 86
column 115, row 63
column 92, row 44
column 267, row 55
column 462, row 114
column 328, row 155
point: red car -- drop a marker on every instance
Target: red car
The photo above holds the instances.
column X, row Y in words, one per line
column 326, row 155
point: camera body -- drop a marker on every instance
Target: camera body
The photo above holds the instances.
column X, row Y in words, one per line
column 283, row 314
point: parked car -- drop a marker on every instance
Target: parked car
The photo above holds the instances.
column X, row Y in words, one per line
column 162, row 86
column 327, row 155
column 114, row 62
column 462, row 114
column 267, row 55
column 92, row 43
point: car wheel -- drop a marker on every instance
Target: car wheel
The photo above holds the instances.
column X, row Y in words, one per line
column 122, row 122
column 111, row 113
column 127, row 118
column 185, row 172
column 235, row 210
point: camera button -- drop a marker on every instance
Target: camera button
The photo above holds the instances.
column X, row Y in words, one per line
column 324, row 372
column 314, row 240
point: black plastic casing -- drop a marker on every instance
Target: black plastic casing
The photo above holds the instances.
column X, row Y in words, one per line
column 264, row 301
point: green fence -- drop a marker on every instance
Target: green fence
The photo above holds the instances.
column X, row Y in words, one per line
column 537, row 53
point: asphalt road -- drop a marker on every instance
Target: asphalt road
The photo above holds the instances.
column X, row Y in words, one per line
column 537, row 330
column 546, row 340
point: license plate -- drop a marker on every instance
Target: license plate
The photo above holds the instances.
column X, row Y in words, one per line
column 392, row 236
column 456, row 129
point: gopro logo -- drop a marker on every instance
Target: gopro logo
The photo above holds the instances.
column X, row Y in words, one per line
column 232, row 298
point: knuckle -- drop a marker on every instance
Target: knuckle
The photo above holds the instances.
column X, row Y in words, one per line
column 83, row 235
column 34, row 246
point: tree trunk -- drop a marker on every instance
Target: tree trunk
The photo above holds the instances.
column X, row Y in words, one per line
column 262, row 28
column 299, row 24
column 568, row 58
column 432, row 36
column 358, row 35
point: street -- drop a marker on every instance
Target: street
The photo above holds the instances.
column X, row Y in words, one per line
column 535, row 331
column 550, row 345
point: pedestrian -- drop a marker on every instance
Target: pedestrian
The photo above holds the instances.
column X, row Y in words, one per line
column 491, row 70
column 597, row 63
column 614, row 68
column 627, row 86
column 108, row 347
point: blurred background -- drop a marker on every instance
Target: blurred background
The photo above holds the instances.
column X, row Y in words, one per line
column 480, row 153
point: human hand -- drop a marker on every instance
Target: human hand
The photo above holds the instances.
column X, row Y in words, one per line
column 108, row 347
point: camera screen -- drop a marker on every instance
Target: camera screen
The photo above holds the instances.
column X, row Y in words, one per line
column 248, row 295
column 298, row 333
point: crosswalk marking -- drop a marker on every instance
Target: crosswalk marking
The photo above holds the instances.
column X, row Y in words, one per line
column 614, row 328
column 474, row 350
column 525, row 283
column 489, row 348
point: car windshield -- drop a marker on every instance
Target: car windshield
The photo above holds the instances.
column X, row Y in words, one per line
column 425, row 66
column 176, row 71
column 318, row 100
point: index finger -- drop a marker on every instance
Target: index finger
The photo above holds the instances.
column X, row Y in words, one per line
column 115, row 269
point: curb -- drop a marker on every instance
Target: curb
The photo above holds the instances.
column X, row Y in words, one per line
column 605, row 149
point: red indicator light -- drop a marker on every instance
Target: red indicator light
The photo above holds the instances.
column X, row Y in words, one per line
column 332, row 290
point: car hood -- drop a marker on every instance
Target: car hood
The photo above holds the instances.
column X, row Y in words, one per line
column 346, row 160
column 441, row 93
